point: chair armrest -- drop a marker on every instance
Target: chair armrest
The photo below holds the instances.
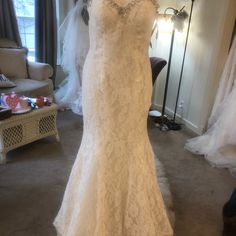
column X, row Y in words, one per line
column 39, row 71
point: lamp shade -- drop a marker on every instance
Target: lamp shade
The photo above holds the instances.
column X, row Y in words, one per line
column 165, row 23
column 179, row 20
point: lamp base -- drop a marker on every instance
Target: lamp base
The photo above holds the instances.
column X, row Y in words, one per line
column 174, row 126
column 165, row 124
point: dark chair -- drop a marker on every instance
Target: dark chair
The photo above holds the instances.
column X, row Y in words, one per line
column 229, row 216
column 157, row 64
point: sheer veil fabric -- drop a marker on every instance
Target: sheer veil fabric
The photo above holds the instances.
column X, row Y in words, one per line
column 75, row 49
column 112, row 189
column 218, row 144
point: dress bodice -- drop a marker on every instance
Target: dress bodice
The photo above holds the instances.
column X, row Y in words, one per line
column 117, row 26
column 118, row 63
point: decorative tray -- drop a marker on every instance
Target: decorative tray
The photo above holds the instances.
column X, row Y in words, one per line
column 21, row 110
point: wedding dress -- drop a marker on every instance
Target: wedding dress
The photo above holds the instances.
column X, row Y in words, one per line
column 112, row 189
column 75, row 33
column 218, row 144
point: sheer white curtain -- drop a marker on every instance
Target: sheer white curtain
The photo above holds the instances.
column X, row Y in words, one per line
column 63, row 7
column 75, row 49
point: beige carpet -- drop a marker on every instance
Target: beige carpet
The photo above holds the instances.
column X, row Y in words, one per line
column 33, row 182
column 165, row 190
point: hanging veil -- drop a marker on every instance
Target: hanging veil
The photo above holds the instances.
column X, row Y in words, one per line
column 75, row 49
column 218, row 144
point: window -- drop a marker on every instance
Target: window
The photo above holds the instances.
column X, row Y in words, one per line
column 26, row 23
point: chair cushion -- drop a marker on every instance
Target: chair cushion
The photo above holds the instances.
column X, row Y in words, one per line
column 5, row 82
column 7, row 43
column 30, row 88
column 13, row 62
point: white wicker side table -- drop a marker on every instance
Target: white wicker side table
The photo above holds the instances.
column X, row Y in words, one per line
column 19, row 130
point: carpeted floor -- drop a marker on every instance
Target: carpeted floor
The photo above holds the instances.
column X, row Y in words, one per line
column 33, row 181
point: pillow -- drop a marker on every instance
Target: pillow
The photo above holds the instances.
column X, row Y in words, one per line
column 5, row 82
column 13, row 62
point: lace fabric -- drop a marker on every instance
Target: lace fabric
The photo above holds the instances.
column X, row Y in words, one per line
column 218, row 143
column 112, row 189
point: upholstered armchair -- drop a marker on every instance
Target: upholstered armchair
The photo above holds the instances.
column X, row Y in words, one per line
column 31, row 78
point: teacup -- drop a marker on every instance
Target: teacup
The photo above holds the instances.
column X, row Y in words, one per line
column 24, row 102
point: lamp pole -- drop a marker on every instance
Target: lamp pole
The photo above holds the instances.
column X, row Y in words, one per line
column 183, row 62
column 168, row 71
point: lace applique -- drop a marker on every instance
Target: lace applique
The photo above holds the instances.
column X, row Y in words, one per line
column 124, row 10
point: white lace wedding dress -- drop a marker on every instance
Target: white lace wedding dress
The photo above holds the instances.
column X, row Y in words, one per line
column 218, row 144
column 112, row 189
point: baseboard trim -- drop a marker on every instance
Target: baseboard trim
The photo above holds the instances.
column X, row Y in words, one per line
column 194, row 128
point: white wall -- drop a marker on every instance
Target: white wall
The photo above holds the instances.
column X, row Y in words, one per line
column 209, row 39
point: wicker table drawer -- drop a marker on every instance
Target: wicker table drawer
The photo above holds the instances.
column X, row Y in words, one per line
column 26, row 128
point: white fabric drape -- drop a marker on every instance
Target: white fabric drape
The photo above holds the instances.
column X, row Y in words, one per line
column 75, row 49
column 218, row 144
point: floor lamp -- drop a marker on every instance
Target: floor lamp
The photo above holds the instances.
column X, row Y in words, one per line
column 183, row 62
column 168, row 71
column 178, row 19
